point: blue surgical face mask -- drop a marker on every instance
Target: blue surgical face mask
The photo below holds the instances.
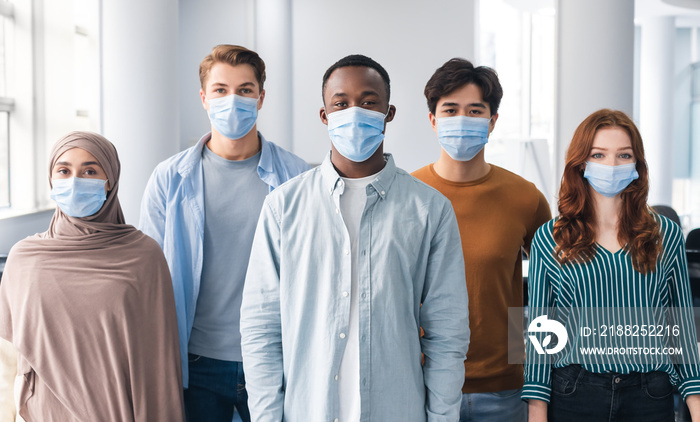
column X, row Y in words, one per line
column 356, row 132
column 462, row 137
column 78, row 196
column 233, row 116
column 610, row 180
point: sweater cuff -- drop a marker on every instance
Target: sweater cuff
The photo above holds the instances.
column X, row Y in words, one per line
column 689, row 386
column 537, row 391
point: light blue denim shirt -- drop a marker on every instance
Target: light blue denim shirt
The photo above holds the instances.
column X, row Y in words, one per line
column 172, row 212
column 296, row 302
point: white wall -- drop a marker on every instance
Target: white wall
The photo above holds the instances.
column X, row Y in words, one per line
column 595, row 67
column 139, row 90
column 656, row 77
column 202, row 25
column 682, row 98
column 410, row 39
column 273, row 42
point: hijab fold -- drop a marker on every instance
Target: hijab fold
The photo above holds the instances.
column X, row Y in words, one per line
column 89, row 306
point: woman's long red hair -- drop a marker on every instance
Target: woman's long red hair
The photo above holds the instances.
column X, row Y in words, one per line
column 574, row 232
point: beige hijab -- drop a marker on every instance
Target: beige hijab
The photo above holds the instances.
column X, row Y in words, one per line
column 89, row 307
column 109, row 219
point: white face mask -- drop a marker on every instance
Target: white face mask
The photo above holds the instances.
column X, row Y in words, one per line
column 233, row 116
column 78, row 196
column 356, row 132
column 610, row 180
column 462, row 137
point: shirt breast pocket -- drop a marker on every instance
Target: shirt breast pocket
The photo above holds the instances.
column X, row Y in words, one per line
column 402, row 241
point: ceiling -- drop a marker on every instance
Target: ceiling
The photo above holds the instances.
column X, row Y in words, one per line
column 687, row 12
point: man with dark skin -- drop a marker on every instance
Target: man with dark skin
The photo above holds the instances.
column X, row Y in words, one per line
column 337, row 288
column 355, row 86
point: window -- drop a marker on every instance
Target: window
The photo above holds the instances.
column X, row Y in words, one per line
column 49, row 86
column 4, row 159
column 517, row 40
column 6, row 105
column 691, row 197
column 686, row 128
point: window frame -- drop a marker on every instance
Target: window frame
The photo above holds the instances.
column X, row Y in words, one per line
column 40, row 92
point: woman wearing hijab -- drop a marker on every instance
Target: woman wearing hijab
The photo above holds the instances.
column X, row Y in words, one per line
column 88, row 304
column 615, row 275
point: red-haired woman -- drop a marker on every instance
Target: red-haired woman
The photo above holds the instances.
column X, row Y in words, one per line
column 610, row 270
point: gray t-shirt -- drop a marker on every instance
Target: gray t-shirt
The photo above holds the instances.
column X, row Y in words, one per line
column 233, row 198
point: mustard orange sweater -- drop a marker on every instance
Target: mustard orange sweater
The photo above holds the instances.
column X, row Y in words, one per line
column 498, row 215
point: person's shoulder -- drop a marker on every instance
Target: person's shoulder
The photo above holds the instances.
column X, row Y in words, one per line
column 145, row 244
column 412, row 185
column 28, row 244
column 546, row 229
column 514, row 181
column 287, row 158
column 31, row 247
column 296, row 185
column 145, row 241
column 523, row 194
column 670, row 231
column 422, row 173
column 171, row 164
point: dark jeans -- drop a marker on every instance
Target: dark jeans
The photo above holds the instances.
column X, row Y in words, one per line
column 216, row 387
column 579, row 395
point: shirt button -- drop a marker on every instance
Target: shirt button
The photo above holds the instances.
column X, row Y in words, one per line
column 364, row 295
column 342, row 335
column 335, row 420
column 346, row 252
column 345, row 294
column 335, row 378
column 363, row 338
column 383, row 192
column 337, row 211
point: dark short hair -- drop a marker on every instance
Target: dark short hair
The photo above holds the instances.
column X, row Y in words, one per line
column 357, row 60
column 233, row 55
column 456, row 73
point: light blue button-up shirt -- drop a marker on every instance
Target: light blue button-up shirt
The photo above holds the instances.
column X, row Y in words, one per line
column 172, row 212
column 296, row 309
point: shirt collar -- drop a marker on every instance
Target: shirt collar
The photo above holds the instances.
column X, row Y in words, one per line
column 266, row 163
column 382, row 183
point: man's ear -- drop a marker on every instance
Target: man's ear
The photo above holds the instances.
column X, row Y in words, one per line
column 433, row 121
column 492, row 123
column 204, row 99
column 262, row 98
column 323, row 116
column 390, row 114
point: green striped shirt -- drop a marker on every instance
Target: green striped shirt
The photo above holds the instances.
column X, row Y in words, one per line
column 609, row 282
